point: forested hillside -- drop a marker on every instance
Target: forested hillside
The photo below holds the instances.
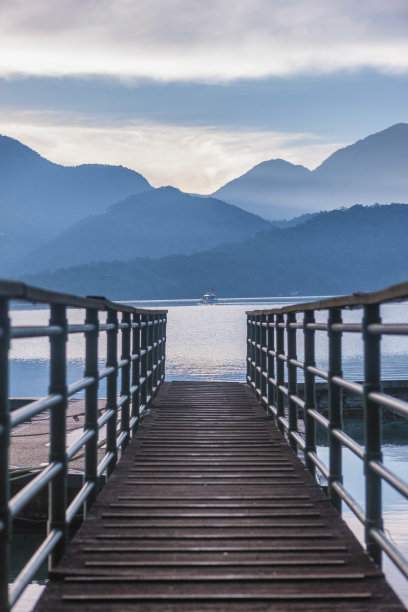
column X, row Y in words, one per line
column 341, row 251
column 154, row 223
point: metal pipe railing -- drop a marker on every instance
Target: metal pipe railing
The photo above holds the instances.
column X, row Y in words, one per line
column 131, row 383
column 269, row 353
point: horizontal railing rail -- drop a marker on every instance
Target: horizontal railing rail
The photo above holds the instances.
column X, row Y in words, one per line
column 134, row 371
column 272, row 346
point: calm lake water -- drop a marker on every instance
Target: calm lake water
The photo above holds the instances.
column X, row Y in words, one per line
column 204, row 342
column 208, row 342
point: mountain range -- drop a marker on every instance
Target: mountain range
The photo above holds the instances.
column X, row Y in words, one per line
column 153, row 224
column 54, row 217
column 39, row 199
column 335, row 252
column 374, row 169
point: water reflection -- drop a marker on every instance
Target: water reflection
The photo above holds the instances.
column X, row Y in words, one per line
column 24, row 542
column 203, row 343
column 395, row 506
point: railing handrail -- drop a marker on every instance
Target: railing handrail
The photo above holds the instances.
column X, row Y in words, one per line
column 15, row 290
column 267, row 356
column 393, row 293
column 134, row 372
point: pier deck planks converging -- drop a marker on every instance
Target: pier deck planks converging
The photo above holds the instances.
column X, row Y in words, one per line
column 210, row 509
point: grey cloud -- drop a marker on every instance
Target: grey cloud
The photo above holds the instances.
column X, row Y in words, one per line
column 50, row 16
column 192, row 39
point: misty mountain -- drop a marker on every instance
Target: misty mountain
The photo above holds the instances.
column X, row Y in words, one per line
column 374, row 169
column 154, row 223
column 336, row 252
column 38, row 198
column 292, row 222
column 273, row 189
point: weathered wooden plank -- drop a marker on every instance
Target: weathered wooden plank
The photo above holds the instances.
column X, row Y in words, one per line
column 210, row 510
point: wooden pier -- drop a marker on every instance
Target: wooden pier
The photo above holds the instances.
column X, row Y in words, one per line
column 210, row 509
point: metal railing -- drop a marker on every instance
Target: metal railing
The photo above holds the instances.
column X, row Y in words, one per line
column 132, row 380
column 272, row 344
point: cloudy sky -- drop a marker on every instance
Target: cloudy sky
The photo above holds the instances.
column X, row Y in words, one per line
column 194, row 93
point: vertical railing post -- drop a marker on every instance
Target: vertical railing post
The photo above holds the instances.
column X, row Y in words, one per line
column 143, row 361
column 310, row 389
column 58, row 423
column 159, row 349
column 158, row 357
column 264, row 358
column 163, row 347
column 335, row 406
column 292, row 378
column 125, row 378
column 91, row 403
column 5, row 522
column 155, row 352
column 280, row 372
column 249, row 347
column 135, row 371
column 271, row 361
column 253, row 352
column 112, row 388
column 372, row 430
column 149, row 319
column 258, row 356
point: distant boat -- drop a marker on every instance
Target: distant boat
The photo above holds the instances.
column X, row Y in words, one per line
column 209, row 298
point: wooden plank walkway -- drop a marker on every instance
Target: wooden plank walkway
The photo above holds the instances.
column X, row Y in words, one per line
column 210, row 510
